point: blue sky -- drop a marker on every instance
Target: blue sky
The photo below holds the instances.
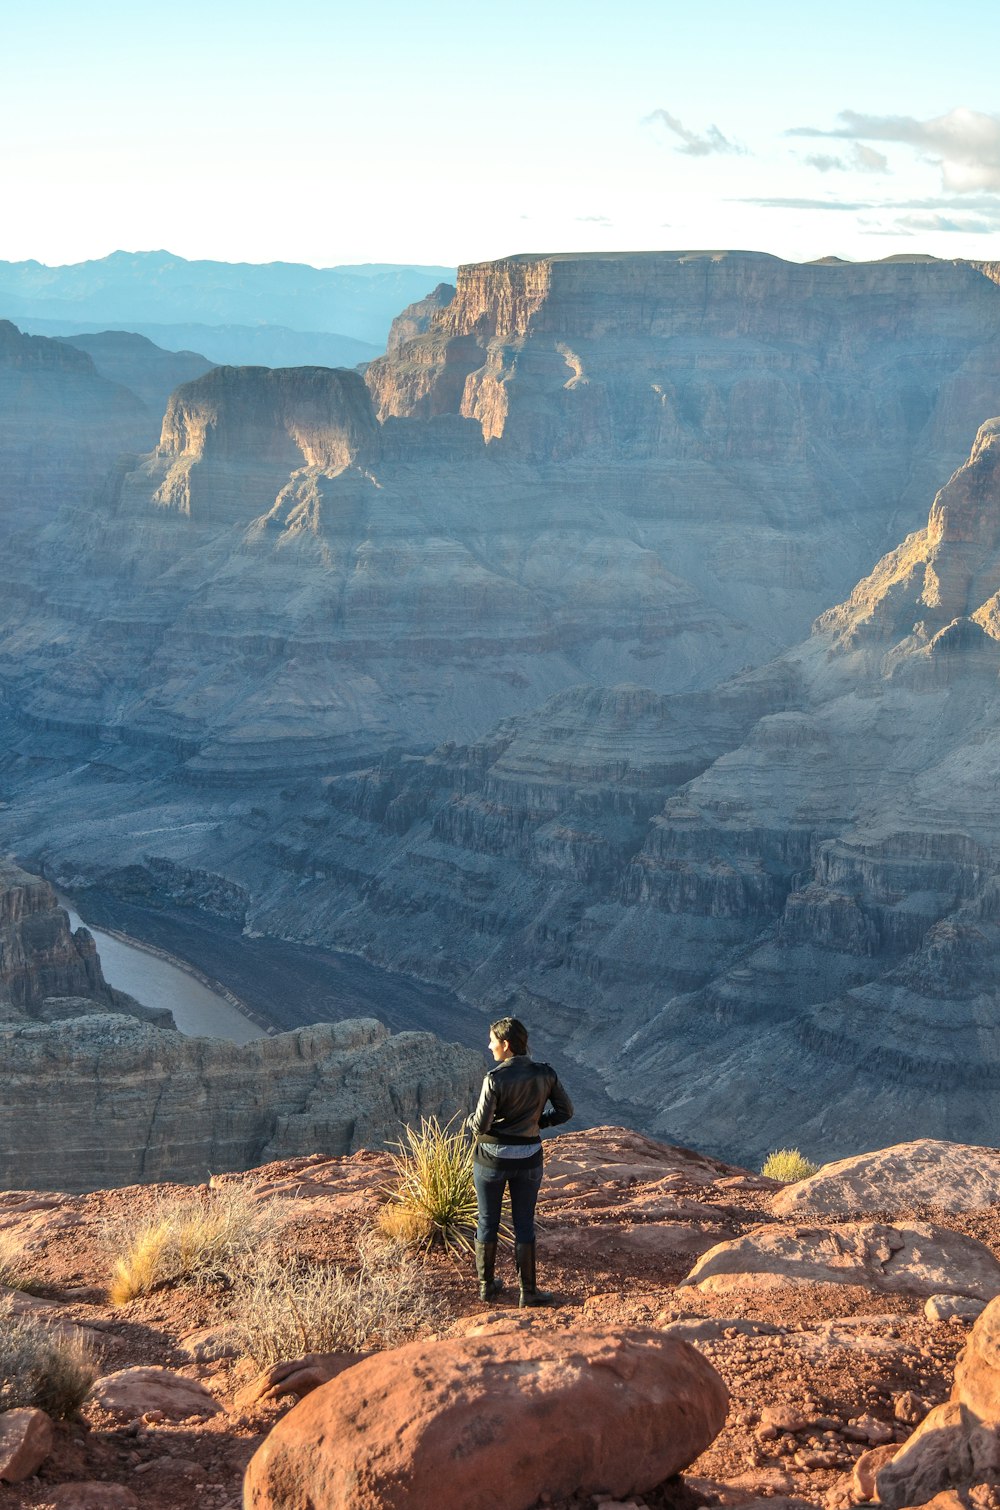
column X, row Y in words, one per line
column 453, row 132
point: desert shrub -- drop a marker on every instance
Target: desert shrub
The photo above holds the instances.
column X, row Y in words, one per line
column 431, row 1186
column 14, row 1270
column 282, row 1310
column 787, row 1165
column 199, row 1237
column 41, row 1366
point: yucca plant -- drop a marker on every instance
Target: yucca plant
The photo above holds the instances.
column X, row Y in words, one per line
column 432, row 1197
column 787, row 1165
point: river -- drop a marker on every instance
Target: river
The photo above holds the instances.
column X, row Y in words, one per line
column 282, row 985
column 157, row 981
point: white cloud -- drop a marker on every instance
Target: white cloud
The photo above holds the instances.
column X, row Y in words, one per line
column 695, row 144
column 862, row 159
column 964, row 144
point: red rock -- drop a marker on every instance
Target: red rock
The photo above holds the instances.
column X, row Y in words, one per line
column 89, row 1494
column 25, row 1443
column 867, row 1429
column 783, row 1418
column 977, row 1374
column 133, row 1392
column 866, row 1468
column 497, row 1419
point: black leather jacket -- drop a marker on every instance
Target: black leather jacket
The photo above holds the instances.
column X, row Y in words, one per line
column 512, row 1101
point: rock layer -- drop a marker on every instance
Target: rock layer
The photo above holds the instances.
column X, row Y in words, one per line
column 597, row 489
column 138, row 1103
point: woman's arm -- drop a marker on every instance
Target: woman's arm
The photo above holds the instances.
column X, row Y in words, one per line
column 481, row 1119
column 562, row 1106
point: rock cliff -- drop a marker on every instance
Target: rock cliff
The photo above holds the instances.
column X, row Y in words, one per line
column 47, row 972
column 654, row 468
column 137, row 1103
column 483, row 685
column 62, row 425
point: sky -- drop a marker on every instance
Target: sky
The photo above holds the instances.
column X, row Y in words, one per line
column 453, row 131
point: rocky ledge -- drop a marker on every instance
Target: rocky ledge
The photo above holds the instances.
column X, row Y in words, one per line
column 842, row 1388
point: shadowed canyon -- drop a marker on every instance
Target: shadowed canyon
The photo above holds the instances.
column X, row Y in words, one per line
column 620, row 648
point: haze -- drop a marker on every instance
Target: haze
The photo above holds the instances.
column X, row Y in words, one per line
column 450, row 133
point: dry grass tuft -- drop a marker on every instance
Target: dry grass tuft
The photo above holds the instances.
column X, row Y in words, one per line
column 14, row 1270
column 282, row 1311
column 787, row 1165
column 201, row 1238
column 42, row 1367
column 432, row 1186
column 404, row 1225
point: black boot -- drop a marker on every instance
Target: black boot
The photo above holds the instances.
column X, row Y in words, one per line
column 524, row 1260
column 486, row 1258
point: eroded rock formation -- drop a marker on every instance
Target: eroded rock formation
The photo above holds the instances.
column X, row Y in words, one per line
column 138, row 1103
column 47, row 972
column 598, row 488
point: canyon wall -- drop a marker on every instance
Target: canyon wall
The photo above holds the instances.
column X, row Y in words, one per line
column 496, row 668
column 99, row 1090
column 136, row 1103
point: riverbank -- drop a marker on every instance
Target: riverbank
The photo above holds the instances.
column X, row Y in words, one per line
column 285, row 985
column 201, row 1006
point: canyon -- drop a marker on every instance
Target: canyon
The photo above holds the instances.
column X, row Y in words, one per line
column 101, row 1090
column 515, row 664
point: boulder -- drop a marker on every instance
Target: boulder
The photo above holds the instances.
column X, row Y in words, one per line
column 977, row 1373
column 132, row 1392
column 958, row 1444
column 935, row 1457
column 921, row 1259
column 946, row 1307
column 926, row 1172
column 208, row 1344
column 867, row 1467
column 25, row 1443
column 603, row 1410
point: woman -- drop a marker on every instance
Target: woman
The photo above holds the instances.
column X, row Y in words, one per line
column 505, row 1125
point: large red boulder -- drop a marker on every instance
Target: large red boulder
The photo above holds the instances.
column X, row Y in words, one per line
column 493, row 1422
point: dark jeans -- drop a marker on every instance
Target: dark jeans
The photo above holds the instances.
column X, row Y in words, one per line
column 490, row 1184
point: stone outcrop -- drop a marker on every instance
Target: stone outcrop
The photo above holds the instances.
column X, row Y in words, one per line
column 919, row 1259
column 369, row 1439
column 928, row 1172
column 62, row 426
column 957, row 1445
column 138, row 1103
column 48, row 972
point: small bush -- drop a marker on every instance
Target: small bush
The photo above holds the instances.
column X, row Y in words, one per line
column 199, row 1238
column 432, row 1186
column 42, row 1367
column 787, row 1165
column 14, row 1271
column 282, row 1311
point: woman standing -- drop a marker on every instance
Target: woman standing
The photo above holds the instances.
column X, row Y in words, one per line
column 505, row 1125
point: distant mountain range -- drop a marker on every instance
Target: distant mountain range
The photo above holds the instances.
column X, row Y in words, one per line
column 273, row 314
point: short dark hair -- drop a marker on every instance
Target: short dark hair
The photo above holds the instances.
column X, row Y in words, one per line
column 514, row 1031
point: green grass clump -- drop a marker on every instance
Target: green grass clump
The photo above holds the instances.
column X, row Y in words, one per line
column 42, row 1366
column 432, row 1197
column 787, row 1165
column 200, row 1238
